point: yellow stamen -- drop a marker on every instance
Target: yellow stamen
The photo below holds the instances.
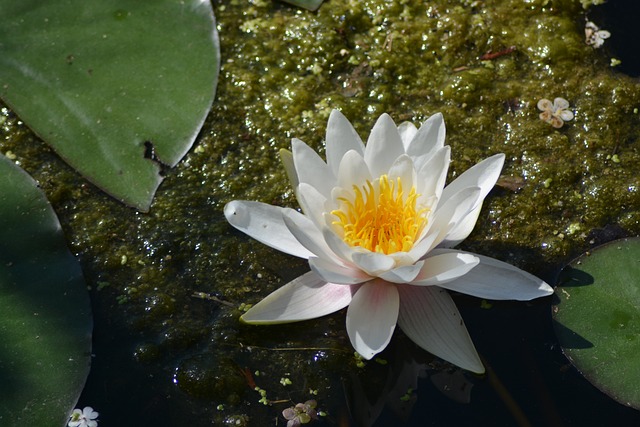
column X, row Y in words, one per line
column 381, row 218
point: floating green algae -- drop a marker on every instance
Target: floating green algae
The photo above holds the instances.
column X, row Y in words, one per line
column 283, row 70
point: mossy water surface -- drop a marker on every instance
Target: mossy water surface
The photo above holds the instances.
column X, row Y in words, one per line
column 484, row 65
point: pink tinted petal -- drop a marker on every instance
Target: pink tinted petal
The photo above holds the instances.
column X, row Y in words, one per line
column 311, row 168
column 430, row 318
column 306, row 297
column 497, row 280
column 264, row 223
column 336, row 273
column 403, row 274
column 341, row 138
column 372, row 316
column 444, row 266
column 383, row 146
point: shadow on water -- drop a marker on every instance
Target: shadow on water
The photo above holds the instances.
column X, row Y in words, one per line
column 620, row 18
column 529, row 381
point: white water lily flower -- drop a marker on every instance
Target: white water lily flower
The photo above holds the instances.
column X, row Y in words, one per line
column 83, row 418
column 377, row 227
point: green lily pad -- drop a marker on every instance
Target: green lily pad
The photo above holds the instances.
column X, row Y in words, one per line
column 597, row 318
column 45, row 316
column 118, row 88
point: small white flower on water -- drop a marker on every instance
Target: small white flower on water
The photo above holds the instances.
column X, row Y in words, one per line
column 83, row 418
column 555, row 113
column 377, row 227
column 594, row 36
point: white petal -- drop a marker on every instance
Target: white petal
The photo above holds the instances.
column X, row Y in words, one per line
column 428, row 140
column 286, row 157
column 403, row 168
column 461, row 229
column 341, row 138
column 89, row 413
column 373, row 263
column 337, row 245
column 337, row 273
column 483, row 175
column 432, row 175
column 560, row 104
column 372, row 317
column 353, row 171
column 545, row 105
column 264, row 223
column 383, row 146
column 453, row 211
column 497, row 280
column 309, row 236
column 306, row 297
column 311, row 169
column 407, row 131
column 312, row 203
column 430, row 318
column 566, row 115
column 426, row 243
column 403, row 259
column 404, row 274
column 444, row 266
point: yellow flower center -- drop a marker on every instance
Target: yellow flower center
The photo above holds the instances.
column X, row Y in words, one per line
column 381, row 218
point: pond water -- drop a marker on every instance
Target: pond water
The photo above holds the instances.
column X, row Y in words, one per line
column 167, row 287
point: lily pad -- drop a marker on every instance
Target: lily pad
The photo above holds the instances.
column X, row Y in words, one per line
column 597, row 318
column 45, row 316
column 118, row 88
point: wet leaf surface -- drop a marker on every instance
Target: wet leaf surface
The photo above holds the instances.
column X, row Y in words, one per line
column 45, row 316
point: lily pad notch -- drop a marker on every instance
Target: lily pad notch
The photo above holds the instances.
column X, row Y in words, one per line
column 123, row 73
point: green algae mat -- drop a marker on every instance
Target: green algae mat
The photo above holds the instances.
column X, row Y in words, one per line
column 598, row 318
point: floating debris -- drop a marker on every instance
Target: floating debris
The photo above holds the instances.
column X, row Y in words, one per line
column 594, row 36
column 555, row 113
